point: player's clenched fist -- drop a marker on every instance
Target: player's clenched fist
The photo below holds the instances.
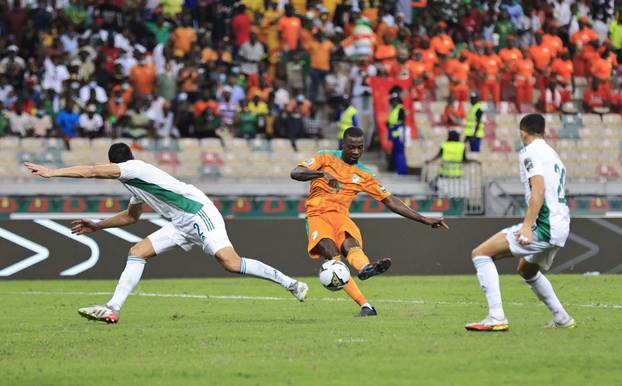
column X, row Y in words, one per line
column 84, row 225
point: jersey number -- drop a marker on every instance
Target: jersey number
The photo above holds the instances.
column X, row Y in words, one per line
column 561, row 191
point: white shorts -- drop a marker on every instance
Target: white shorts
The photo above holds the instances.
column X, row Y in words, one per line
column 205, row 228
column 538, row 252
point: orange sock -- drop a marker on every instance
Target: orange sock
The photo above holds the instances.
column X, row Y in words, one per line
column 355, row 293
column 357, row 258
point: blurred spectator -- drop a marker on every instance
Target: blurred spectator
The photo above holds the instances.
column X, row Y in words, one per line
column 91, row 123
column 228, row 110
column 42, row 124
column 67, row 120
column 247, row 122
column 208, row 124
column 143, row 75
column 552, row 98
column 453, row 115
column 289, row 29
column 320, row 51
column 167, row 82
column 12, row 66
column 259, row 108
column 162, row 118
column 594, row 98
column 92, row 91
column 251, row 53
column 312, row 124
column 241, row 26
column 21, row 120
column 138, row 125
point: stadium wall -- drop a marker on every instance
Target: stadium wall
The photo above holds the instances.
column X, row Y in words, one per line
column 45, row 249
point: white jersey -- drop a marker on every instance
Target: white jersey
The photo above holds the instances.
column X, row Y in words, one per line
column 553, row 222
column 169, row 197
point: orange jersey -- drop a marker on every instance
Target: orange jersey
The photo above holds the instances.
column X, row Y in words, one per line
column 353, row 179
column 563, row 69
column 601, row 69
column 416, row 69
column 553, row 42
column 430, row 60
column 523, row 70
column 583, row 36
column 491, row 65
column 541, row 56
column 458, row 71
column 509, row 55
column 442, row 44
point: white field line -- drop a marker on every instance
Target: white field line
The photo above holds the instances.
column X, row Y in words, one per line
column 275, row 298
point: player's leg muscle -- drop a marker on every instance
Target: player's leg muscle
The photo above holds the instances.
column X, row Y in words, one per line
column 143, row 249
column 229, row 259
column 526, row 269
column 327, row 248
column 349, row 243
column 497, row 247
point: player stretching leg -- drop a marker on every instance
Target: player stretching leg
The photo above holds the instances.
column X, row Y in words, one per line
column 336, row 178
column 194, row 221
column 537, row 239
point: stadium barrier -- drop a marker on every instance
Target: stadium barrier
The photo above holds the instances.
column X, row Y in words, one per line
column 44, row 248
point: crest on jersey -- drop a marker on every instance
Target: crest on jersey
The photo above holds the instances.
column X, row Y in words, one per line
column 314, row 235
column 528, row 164
column 309, row 162
column 356, row 179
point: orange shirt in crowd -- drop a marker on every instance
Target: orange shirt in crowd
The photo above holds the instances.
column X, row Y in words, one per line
column 415, row 69
column 183, row 37
column 371, row 14
column 541, row 56
column 208, row 55
column 523, row 69
column 458, row 71
column 601, row 69
column 593, row 98
column 289, row 27
column 563, row 69
column 385, row 51
column 442, row 44
column 430, row 60
column 306, row 37
column 509, row 56
column 143, row 77
column 583, row 36
column 320, row 54
column 553, row 42
column 491, row 65
column 202, row 105
column 390, row 32
column 303, row 108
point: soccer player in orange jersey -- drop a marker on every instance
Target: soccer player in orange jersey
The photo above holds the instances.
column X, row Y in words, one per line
column 336, row 178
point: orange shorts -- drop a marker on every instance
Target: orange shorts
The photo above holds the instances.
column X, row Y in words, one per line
column 333, row 226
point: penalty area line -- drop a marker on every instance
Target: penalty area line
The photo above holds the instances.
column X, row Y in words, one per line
column 276, row 298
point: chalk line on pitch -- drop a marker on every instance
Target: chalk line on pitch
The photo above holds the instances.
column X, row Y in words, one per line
column 275, row 298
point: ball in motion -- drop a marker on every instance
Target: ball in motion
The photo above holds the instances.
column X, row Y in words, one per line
column 334, row 275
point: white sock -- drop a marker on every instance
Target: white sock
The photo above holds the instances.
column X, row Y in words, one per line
column 366, row 305
column 489, row 281
column 261, row 270
column 128, row 280
column 543, row 289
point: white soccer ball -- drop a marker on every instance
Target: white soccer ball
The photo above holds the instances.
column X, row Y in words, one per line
column 334, row 275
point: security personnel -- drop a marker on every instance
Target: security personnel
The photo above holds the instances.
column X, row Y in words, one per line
column 453, row 155
column 348, row 118
column 396, row 125
column 474, row 126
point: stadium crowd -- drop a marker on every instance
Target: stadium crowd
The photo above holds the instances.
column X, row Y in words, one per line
column 278, row 68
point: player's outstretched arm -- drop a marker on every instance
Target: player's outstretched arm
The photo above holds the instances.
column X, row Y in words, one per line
column 300, row 173
column 398, row 206
column 111, row 171
column 127, row 217
column 536, row 200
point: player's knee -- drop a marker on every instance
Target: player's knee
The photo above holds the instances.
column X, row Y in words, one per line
column 476, row 252
column 136, row 251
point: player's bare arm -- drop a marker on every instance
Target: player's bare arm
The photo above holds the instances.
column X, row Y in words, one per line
column 127, row 217
column 525, row 234
column 398, row 206
column 110, row 171
column 300, row 173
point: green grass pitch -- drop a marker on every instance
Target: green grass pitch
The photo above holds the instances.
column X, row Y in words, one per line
column 267, row 338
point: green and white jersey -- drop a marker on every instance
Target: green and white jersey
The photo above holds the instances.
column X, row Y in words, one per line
column 553, row 222
column 169, row 197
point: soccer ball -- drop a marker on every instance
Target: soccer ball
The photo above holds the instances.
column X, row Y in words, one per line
column 334, row 275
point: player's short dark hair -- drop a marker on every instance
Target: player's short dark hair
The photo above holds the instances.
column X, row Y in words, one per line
column 533, row 124
column 119, row 152
column 353, row 132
